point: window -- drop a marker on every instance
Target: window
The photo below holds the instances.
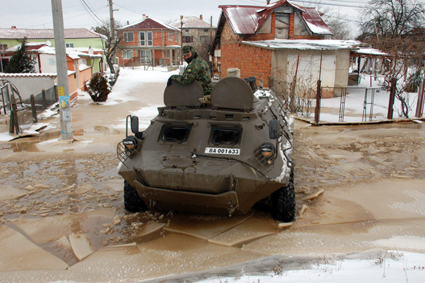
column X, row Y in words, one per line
column 128, row 36
column 145, row 56
column 187, row 39
column 226, row 135
column 282, row 26
column 3, row 47
column 204, row 39
column 299, row 25
column 175, row 133
column 170, row 36
column 69, row 45
column 127, row 54
column 205, row 30
column 146, row 38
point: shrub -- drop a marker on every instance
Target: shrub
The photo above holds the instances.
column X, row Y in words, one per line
column 98, row 88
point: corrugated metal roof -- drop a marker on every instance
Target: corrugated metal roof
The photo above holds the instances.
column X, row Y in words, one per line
column 191, row 22
column 15, row 33
column 306, row 44
column 242, row 19
column 314, row 22
column 249, row 19
column 148, row 23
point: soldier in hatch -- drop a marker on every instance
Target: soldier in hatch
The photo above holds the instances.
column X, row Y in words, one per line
column 197, row 69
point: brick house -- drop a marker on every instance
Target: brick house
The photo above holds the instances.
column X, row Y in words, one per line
column 149, row 42
column 281, row 44
column 196, row 32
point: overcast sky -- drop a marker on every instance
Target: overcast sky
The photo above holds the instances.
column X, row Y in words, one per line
column 36, row 14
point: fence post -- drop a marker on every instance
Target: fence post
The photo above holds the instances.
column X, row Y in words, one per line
column 56, row 92
column 11, row 122
column 318, row 97
column 420, row 103
column 33, row 109
column 14, row 116
column 392, row 98
column 43, row 98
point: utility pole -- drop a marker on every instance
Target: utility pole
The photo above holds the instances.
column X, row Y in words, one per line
column 421, row 93
column 111, row 15
column 181, row 40
column 63, row 87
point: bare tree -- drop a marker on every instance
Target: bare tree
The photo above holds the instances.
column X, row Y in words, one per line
column 391, row 18
column 397, row 27
column 337, row 23
column 112, row 44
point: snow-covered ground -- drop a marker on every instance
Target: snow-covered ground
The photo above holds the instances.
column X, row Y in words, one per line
column 400, row 267
column 356, row 110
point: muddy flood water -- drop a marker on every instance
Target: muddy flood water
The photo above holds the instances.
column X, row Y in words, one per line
column 359, row 190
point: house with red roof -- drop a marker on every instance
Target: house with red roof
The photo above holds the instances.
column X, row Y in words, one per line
column 149, row 42
column 196, row 32
column 284, row 46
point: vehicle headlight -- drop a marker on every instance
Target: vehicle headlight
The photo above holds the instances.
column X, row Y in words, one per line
column 126, row 148
column 130, row 143
column 266, row 153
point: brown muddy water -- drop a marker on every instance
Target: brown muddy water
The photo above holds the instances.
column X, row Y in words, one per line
column 358, row 188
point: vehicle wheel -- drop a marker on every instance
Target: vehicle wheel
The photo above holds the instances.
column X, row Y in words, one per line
column 283, row 203
column 132, row 201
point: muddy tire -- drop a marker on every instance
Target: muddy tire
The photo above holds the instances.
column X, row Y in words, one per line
column 283, row 203
column 132, row 201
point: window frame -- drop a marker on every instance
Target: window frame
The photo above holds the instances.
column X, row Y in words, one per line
column 186, row 37
column 226, row 128
column 145, row 59
column 204, row 39
column 126, row 34
column 147, row 38
column 125, row 53
column 167, row 126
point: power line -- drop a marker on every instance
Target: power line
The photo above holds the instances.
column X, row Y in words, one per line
column 91, row 12
column 331, row 4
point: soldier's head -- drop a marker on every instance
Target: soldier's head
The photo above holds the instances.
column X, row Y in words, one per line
column 188, row 53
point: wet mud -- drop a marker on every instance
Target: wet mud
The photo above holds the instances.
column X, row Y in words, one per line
column 358, row 189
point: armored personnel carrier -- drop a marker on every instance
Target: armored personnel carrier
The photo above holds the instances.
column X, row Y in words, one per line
column 222, row 157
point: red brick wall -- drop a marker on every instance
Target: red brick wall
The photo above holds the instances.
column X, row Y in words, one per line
column 291, row 25
column 252, row 61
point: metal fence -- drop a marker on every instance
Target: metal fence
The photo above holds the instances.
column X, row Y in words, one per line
column 16, row 114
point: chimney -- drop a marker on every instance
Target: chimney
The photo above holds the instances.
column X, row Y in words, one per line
column 128, row 22
column 268, row 2
column 13, row 27
column 201, row 17
column 181, row 17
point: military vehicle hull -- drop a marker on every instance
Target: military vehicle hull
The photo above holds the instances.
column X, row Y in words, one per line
column 218, row 158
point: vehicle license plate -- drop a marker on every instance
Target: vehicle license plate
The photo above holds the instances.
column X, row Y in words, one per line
column 220, row 150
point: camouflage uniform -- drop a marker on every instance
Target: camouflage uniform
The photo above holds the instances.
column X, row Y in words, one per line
column 197, row 69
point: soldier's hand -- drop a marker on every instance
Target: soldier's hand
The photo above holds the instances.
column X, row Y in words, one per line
column 206, row 99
